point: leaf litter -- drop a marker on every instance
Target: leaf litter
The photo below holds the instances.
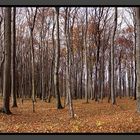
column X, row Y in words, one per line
column 93, row 118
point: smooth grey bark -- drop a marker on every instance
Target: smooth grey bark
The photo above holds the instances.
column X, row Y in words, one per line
column 85, row 58
column 129, row 87
column 13, row 60
column 112, row 58
column 81, row 65
column 102, row 73
column 135, row 81
column 51, row 90
column 68, row 64
column 42, row 45
column 97, row 36
column 109, row 73
column 134, row 53
column 2, row 57
column 120, row 74
column 138, row 57
column 68, row 68
column 7, row 63
column 56, row 63
column 32, row 58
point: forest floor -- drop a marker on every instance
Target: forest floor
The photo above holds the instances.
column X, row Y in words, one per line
column 90, row 118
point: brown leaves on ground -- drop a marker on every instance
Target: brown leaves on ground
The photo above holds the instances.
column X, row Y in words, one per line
column 92, row 117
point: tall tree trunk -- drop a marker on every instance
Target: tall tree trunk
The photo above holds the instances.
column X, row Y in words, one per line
column 2, row 58
column 120, row 74
column 52, row 64
column 132, row 78
column 13, row 61
column 138, row 57
column 68, row 67
column 102, row 73
column 41, row 61
column 109, row 77
column 33, row 61
column 85, row 59
column 7, row 63
column 129, row 87
column 42, row 70
column 56, row 64
column 135, row 81
column 82, row 63
column 112, row 58
column 33, row 71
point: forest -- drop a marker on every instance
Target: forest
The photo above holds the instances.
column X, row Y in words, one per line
column 69, row 69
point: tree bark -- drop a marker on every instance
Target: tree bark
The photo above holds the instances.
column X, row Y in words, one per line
column 13, row 61
column 68, row 66
column 85, row 58
column 138, row 57
column 7, row 63
column 32, row 60
column 56, row 64
column 112, row 58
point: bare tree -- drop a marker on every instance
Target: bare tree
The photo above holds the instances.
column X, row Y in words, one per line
column 2, row 57
column 68, row 62
column 138, row 57
column 85, row 58
column 13, row 61
column 31, row 26
column 7, row 62
column 112, row 58
column 56, row 63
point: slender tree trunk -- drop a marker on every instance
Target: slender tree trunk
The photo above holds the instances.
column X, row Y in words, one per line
column 2, row 58
column 42, row 71
column 51, row 91
column 112, row 58
column 81, row 80
column 120, row 75
column 41, row 61
column 135, row 81
column 109, row 81
column 33, row 62
column 138, row 57
column 132, row 78
column 85, row 59
column 82, row 62
column 13, row 62
column 56, row 64
column 129, row 87
column 33, row 72
column 68, row 69
column 102, row 73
